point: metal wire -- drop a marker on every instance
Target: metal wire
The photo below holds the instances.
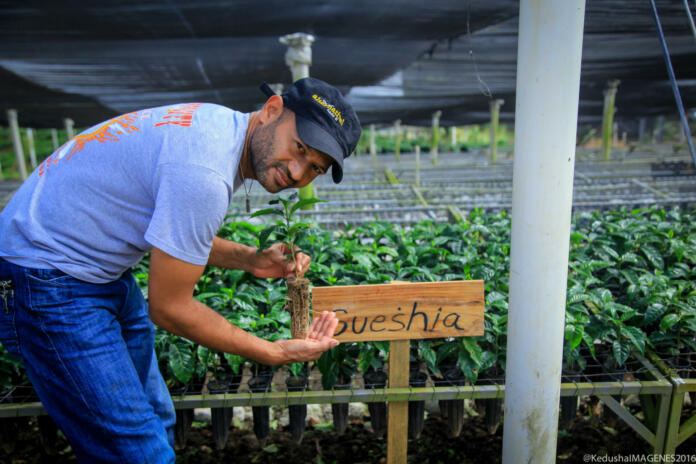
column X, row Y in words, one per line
column 673, row 81
column 691, row 18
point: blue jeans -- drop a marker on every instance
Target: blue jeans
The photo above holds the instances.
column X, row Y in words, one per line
column 89, row 352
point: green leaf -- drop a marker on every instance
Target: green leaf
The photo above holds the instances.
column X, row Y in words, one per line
column 235, row 361
column 576, row 298
column 654, row 313
column 385, row 250
column 430, row 357
column 204, row 354
column 181, row 362
column 273, row 448
column 295, row 228
column 468, row 367
column 618, row 308
column 636, row 336
column 263, row 236
column 573, row 335
column 488, row 359
column 610, row 252
column 576, row 238
column 668, row 321
column 267, row 211
column 629, row 257
column 473, row 348
column 364, row 259
column 653, row 256
column 621, row 352
column 304, row 202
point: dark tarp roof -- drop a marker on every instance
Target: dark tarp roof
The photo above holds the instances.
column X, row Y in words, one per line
column 395, row 59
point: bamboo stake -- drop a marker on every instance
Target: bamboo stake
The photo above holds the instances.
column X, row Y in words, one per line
column 32, row 149
column 17, row 143
column 494, row 106
column 608, row 116
column 54, row 138
column 69, row 124
column 397, row 140
column 435, row 141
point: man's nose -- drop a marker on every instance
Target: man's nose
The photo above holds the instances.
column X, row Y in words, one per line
column 298, row 169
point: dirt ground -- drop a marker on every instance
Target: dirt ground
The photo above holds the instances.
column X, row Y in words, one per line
column 591, row 432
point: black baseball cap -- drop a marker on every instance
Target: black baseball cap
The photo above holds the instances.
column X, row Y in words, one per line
column 324, row 120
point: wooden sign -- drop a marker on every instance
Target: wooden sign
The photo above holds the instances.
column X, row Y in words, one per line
column 403, row 311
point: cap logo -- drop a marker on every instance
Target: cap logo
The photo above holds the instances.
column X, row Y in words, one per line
column 338, row 117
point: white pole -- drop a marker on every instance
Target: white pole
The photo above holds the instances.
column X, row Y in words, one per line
column 17, row 143
column 548, row 82
column 69, row 124
column 298, row 57
column 30, row 146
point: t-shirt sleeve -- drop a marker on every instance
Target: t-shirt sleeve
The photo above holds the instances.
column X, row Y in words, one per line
column 190, row 206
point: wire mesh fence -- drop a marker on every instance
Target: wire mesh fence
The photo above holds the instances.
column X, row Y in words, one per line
column 468, row 181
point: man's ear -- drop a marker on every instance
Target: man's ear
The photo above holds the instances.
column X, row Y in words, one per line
column 272, row 109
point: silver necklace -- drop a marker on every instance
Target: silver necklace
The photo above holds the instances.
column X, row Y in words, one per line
column 246, row 191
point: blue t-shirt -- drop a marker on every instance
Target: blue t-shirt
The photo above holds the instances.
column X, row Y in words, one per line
column 160, row 177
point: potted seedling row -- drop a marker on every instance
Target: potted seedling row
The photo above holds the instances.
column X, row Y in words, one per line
column 185, row 373
column 337, row 367
column 371, row 359
column 297, row 381
column 225, row 375
column 630, row 285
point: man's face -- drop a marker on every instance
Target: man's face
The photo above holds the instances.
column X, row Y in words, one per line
column 280, row 159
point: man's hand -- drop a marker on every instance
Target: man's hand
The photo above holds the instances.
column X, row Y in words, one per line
column 320, row 339
column 276, row 261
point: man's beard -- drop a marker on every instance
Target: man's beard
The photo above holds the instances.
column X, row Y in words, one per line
column 261, row 152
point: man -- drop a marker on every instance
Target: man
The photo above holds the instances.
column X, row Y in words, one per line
column 157, row 180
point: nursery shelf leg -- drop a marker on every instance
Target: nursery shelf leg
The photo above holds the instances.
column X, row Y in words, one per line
column 397, row 425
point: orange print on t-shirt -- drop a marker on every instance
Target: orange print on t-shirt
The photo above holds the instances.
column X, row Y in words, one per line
column 107, row 132
column 181, row 116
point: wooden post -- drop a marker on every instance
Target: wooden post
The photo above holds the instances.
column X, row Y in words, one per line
column 17, row 143
column 608, row 116
column 453, row 141
column 659, row 125
column 397, row 140
column 30, row 145
column 397, row 422
column 435, row 141
column 373, row 146
column 494, row 106
column 54, row 139
column 642, row 122
column 417, row 148
column 69, row 124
